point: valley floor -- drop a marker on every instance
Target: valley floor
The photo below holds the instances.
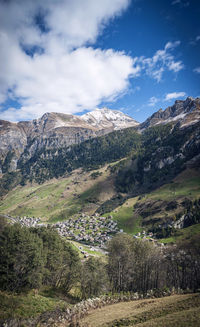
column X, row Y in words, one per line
column 176, row 311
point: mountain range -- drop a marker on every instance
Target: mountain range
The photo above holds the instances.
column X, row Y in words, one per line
column 56, row 130
column 105, row 162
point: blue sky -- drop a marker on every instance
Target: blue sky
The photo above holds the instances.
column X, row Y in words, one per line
column 72, row 56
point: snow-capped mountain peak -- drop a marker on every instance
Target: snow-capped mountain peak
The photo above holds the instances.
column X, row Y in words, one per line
column 107, row 118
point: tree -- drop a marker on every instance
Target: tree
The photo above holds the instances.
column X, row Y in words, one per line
column 21, row 259
column 94, row 278
column 120, row 266
column 183, row 264
column 62, row 261
column 68, row 273
column 133, row 264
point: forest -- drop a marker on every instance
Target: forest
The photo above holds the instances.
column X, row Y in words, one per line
column 37, row 257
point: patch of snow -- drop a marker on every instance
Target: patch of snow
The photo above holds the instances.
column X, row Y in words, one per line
column 190, row 123
column 181, row 116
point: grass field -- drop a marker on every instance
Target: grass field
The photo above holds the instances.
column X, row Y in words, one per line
column 186, row 184
column 59, row 199
column 27, row 305
column 86, row 248
column 172, row 311
column 124, row 215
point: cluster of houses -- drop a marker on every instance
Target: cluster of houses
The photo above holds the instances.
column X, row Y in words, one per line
column 89, row 229
column 85, row 229
column 25, row 221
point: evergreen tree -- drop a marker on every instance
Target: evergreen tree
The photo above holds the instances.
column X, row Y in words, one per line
column 21, row 259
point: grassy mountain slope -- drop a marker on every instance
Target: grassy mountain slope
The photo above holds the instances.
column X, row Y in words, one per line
column 61, row 198
column 153, row 208
column 177, row 310
column 84, row 192
column 47, row 164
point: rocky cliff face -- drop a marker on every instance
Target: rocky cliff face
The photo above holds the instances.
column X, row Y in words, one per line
column 186, row 112
column 54, row 130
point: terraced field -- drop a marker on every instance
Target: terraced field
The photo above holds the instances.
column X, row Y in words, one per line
column 171, row 311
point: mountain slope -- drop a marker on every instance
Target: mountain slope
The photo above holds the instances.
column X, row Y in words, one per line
column 156, row 155
column 53, row 131
column 165, row 151
column 58, row 199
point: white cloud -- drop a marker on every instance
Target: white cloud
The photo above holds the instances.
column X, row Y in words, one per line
column 161, row 61
column 152, row 101
column 64, row 75
column 174, row 95
column 172, row 45
column 175, row 66
column 72, row 82
column 197, row 70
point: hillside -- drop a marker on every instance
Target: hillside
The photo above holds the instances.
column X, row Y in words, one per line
column 168, row 311
column 58, row 199
column 86, row 192
column 177, row 310
column 155, row 211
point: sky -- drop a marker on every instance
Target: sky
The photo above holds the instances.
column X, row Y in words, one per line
column 73, row 56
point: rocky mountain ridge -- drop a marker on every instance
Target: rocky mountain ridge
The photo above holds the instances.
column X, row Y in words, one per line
column 24, row 139
column 185, row 112
column 55, row 130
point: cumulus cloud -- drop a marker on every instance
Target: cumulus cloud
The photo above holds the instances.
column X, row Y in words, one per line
column 49, row 63
column 76, row 81
column 46, row 63
column 174, row 95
